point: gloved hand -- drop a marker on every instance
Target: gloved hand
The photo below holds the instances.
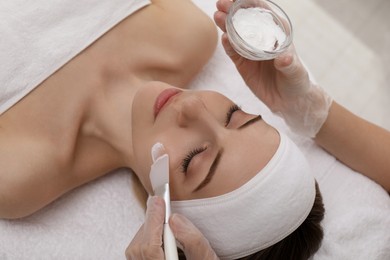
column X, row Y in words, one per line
column 282, row 84
column 147, row 243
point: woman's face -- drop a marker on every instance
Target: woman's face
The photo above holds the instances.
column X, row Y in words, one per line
column 213, row 146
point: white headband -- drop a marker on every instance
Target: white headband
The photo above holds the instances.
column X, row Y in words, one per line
column 262, row 212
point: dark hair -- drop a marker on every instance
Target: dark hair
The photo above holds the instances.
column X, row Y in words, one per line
column 299, row 245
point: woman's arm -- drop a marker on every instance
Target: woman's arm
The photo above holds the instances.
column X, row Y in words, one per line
column 358, row 143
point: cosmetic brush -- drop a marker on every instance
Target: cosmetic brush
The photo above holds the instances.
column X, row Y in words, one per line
column 159, row 178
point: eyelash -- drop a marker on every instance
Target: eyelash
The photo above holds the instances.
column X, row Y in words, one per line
column 187, row 160
column 230, row 113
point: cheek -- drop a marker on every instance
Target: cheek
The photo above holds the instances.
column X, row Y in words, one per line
column 142, row 145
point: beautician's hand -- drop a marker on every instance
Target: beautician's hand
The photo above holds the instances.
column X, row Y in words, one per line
column 282, row 84
column 147, row 243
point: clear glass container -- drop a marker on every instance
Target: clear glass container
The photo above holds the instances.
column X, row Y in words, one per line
column 244, row 48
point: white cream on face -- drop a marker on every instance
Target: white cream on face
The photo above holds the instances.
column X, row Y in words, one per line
column 257, row 27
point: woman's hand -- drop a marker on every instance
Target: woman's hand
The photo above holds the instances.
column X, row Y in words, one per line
column 147, row 243
column 283, row 84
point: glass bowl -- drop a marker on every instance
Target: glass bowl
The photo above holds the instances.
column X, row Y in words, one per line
column 249, row 50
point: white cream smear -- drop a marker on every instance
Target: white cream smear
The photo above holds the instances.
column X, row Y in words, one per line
column 257, row 27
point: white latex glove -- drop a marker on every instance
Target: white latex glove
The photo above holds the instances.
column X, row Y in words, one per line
column 285, row 87
column 303, row 104
column 147, row 243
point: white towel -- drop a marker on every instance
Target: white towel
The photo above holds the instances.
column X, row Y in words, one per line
column 98, row 220
column 38, row 37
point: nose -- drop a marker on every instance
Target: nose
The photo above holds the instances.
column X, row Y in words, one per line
column 192, row 111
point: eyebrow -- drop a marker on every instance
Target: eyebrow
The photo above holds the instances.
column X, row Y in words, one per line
column 211, row 172
column 251, row 122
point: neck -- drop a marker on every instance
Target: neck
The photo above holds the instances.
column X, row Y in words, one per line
column 110, row 117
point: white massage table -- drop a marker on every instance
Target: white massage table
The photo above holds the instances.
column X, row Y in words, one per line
column 98, row 220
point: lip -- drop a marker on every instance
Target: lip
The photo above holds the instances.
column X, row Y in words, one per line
column 163, row 98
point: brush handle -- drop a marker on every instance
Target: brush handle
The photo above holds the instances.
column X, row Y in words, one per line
column 170, row 248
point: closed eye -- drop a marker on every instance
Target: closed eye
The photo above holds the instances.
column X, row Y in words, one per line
column 187, row 160
column 230, row 113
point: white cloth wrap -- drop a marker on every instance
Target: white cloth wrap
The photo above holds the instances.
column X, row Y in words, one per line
column 262, row 212
column 38, row 37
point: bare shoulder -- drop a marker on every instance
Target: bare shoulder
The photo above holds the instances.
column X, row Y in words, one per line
column 41, row 151
column 44, row 152
column 29, row 177
column 180, row 40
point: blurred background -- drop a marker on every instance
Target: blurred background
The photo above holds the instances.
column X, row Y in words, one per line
column 346, row 45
